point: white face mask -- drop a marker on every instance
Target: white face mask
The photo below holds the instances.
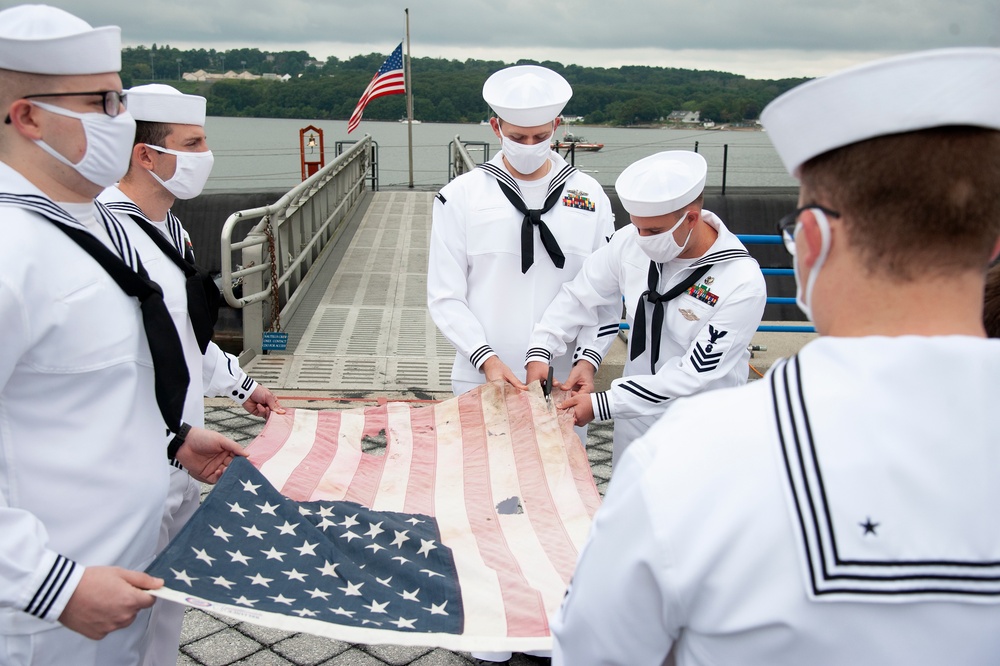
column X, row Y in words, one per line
column 662, row 247
column 803, row 298
column 525, row 159
column 190, row 174
column 109, row 144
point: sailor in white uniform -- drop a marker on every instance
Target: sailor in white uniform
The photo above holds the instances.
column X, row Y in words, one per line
column 507, row 235
column 171, row 160
column 842, row 510
column 82, row 473
column 693, row 296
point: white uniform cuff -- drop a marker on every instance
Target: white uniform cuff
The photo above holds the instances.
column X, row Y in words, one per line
column 478, row 357
column 589, row 355
column 241, row 393
column 58, row 577
column 539, row 354
column 603, row 405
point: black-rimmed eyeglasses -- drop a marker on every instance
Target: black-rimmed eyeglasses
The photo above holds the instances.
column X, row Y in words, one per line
column 786, row 225
column 114, row 101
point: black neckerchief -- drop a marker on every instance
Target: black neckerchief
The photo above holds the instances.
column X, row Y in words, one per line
column 637, row 341
column 533, row 217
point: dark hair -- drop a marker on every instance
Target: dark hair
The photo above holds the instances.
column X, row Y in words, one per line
column 991, row 303
column 151, row 133
column 915, row 203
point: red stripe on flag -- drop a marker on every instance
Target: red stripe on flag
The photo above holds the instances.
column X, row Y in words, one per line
column 366, row 480
column 308, row 473
column 420, row 490
column 535, row 492
column 270, row 441
column 583, row 476
column 523, row 605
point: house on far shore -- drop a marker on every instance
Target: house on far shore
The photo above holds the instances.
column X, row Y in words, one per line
column 202, row 75
column 692, row 117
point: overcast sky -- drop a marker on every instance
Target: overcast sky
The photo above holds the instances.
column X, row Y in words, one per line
column 756, row 38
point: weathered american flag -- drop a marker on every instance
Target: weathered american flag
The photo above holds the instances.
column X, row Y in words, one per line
column 388, row 80
column 462, row 534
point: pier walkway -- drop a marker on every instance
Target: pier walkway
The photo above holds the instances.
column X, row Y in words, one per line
column 364, row 323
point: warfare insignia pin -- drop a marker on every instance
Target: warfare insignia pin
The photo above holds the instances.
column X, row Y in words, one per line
column 709, row 280
column 578, row 199
column 703, row 294
column 688, row 314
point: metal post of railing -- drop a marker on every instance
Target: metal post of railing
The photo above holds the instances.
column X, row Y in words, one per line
column 572, row 154
column 253, row 313
column 725, row 165
column 338, row 147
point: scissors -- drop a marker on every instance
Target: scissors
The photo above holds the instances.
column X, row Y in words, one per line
column 547, row 387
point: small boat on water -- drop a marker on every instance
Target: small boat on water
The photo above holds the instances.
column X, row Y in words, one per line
column 407, row 120
column 577, row 143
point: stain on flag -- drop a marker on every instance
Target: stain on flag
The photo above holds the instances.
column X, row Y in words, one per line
column 462, row 534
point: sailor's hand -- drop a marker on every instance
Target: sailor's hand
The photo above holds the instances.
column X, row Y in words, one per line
column 106, row 599
column 205, row 454
column 581, row 378
column 536, row 371
column 262, row 402
column 495, row 369
column 583, row 410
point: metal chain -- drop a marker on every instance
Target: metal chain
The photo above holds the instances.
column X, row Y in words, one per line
column 275, row 303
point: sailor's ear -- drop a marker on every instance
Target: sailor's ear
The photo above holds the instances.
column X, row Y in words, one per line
column 23, row 115
column 808, row 239
column 141, row 156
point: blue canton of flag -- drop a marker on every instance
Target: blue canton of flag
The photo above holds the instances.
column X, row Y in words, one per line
column 253, row 551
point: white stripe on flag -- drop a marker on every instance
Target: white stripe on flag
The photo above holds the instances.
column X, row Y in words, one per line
column 395, row 478
column 481, row 595
column 297, row 447
column 339, row 474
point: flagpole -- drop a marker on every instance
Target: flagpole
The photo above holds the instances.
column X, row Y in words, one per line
column 409, row 97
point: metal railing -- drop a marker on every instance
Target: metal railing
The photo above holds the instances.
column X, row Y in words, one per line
column 291, row 236
column 460, row 160
column 339, row 146
column 769, row 239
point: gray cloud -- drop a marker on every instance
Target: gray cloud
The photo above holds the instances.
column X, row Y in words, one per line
column 576, row 31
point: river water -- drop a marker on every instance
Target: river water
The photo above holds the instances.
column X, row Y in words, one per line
column 257, row 153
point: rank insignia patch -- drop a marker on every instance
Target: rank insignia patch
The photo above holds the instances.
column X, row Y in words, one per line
column 703, row 294
column 705, row 358
column 578, row 199
column 688, row 314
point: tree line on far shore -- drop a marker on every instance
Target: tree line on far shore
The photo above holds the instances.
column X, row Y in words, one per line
column 443, row 90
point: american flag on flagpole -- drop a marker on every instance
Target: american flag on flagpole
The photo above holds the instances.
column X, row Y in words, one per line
column 388, row 80
column 462, row 534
